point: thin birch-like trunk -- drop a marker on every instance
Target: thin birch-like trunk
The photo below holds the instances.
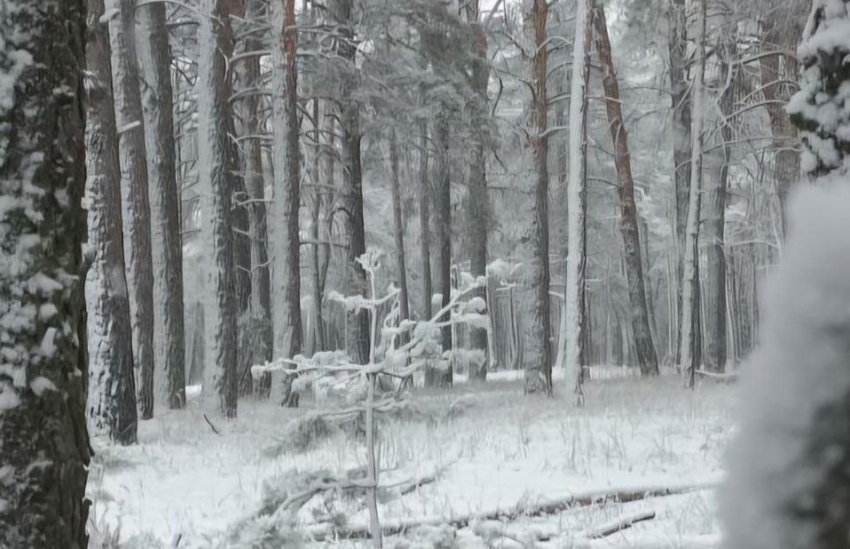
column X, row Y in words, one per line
column 571, row 354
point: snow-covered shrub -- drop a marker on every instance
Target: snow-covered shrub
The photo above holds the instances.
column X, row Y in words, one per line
column 789, row 468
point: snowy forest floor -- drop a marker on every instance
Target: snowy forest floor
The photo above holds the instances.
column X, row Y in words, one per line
column 501, row 455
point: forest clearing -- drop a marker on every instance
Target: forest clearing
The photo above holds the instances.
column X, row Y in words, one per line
column 424, row 274
column 494, row 464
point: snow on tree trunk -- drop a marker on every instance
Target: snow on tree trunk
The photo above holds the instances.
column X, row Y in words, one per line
column 283, row 211
column 571, row 351
column 689, row 342
column 167, row 241
column 134, row 190
column 216, row 165
column 398, row 226
column 677, row 44
column 111, row 381
column 538, row 368
column 479, row 201
column 644, row 345
column 44, row 447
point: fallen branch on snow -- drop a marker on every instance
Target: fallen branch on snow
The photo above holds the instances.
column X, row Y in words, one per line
column 389, row 528
column 622, row 523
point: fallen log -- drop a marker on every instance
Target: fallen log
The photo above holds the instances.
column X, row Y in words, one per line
column 622, row 523
column 322, row 532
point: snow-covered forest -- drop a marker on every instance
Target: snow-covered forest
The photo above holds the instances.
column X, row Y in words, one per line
column 424, row 274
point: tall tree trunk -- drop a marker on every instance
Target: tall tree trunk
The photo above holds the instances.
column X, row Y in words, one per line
column 444, row 235
column 425, row 221
column 572, row 352
column 398, row 226
column 255, row 186
column 629, row 229
column 689, row 339
column 167, row 241
column 781, row 34
column 286, row 252
column 479, row 202
column 44, row 447
column 134, row 187
column 538, row 370
column 112, row 387
column 716, row 172
column 317, row 215
column 357, row 338
column 216, row 167
column 677, row 44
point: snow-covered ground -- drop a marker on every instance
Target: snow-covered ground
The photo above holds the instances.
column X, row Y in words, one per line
column 502, row 455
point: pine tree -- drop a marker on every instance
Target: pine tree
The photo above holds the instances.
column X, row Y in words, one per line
column 44, row 447
column 167, row 239
column 285, row 243
column 216, row 167
column 818, row 108
column 629, row 227
column 112, row 389
column 134, row 189
column 538, row 370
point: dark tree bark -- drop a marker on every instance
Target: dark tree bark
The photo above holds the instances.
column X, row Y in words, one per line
column 134, row 186
column 782, row 31
column 479, row 202
column 167, row 241
column 425, row 221
column 677, row 43
column 538, row 371
column 398, row 226
column 286, row 274
column 716, row 160
column 357, row 338
column 629, row 227
column 217, row 166
column 112, row 387
column 44, row 447
column 444, row 236
column 317, row 286
column 252, row 169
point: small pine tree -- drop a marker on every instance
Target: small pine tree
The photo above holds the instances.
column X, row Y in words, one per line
column 818, row 108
